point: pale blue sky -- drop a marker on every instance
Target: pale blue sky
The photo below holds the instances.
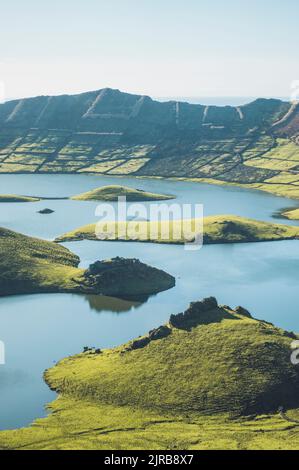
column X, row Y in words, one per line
column 155, row 47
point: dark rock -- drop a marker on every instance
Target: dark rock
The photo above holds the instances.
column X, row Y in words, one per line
column 230, row 227
column 204, row 305
column 100, row 267
column 46, row 211
column 139, row 343
column 242, row 311
column 290, row 334
column 89, row 350
column 195, row 314
column 126, row 278
column 159, row 333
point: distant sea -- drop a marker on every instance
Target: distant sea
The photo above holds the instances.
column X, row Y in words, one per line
column 216, row 101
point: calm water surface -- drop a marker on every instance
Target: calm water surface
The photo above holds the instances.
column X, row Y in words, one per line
column 72, row 214
column 39, row 330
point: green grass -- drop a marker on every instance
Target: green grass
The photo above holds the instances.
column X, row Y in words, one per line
column 113, row 192
column 15, row 198
column 30, row 265
column 193, row 369
column 289, row 190
column 284, row 190
column 17, row 168
column 284, row 150
column 80, row 424
column 214, row 385
column 291, row 214
column 216, row 229
column 257, row 159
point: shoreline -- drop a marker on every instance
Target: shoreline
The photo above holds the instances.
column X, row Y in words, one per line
column 277, row 191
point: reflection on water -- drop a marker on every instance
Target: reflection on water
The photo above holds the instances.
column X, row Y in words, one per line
column 10, row 378
column 101, row 303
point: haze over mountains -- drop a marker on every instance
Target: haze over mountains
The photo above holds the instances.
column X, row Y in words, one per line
column 115, row 133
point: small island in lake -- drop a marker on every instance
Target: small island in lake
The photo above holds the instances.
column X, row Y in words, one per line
column 126, row 278
column 46, row 211
column 113, row 192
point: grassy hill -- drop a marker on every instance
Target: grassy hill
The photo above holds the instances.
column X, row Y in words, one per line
column 113, row 192
column 216, row 229
column 113, row 133
column 191, row 365
column 29, row 265
column 212, row 378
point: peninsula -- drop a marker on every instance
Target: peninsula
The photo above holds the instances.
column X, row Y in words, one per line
column 216, row 229
column 30, row 265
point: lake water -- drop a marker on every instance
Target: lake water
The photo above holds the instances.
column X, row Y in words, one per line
column 41, row 329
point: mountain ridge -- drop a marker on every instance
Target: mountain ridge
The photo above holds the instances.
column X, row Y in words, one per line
column 141, row 95
column 109, row 132
column 12, row 110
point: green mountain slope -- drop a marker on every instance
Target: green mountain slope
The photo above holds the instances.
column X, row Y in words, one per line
column 115, row 133
column 212, row 378
column 209, row 359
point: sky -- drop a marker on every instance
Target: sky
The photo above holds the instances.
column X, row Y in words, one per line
column 173, row 48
